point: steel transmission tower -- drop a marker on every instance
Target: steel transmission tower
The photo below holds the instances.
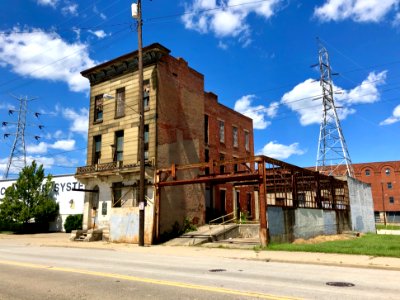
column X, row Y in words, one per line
column 17, row 158
column 333, row 157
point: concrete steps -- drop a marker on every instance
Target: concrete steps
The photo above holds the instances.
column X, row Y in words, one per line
column 216, row 235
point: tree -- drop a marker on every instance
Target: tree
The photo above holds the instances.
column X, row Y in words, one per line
column 30, row 197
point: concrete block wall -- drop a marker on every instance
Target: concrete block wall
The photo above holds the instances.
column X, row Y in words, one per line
column 361, row 206
column 287, row 224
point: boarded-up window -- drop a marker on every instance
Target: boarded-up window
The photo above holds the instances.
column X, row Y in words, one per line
column 235, row 137
column 222, row 131
column 98, row 108
column 120, row 103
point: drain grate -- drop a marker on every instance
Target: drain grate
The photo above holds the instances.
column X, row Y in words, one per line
column 340, row 284
column 217, row 270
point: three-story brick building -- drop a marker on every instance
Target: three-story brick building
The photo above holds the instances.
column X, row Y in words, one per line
column 183, row 125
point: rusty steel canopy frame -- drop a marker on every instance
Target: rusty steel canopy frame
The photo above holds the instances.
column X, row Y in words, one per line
column 278, row 184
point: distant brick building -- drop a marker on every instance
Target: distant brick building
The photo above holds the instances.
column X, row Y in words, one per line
column 183, row 125
column 384, row 178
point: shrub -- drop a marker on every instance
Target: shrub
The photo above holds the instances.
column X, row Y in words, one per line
column 73, row 222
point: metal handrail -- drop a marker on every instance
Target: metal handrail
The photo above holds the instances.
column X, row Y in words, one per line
column 223, row 218
column 232, row 215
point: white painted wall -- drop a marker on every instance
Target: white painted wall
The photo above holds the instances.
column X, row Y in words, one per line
column 70, row 202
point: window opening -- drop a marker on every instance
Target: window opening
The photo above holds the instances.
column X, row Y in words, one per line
column 119, row 146
column 98, row 108
column 206, row 129
column 146, row 142
column 120, row 103
column 247, row 140
column 96, row 149
column 117, row 194
column 235, row 137
column 221, row 131
column 146, row 94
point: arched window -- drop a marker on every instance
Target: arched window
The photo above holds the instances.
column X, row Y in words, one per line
column 367, row 172
column 387, row 171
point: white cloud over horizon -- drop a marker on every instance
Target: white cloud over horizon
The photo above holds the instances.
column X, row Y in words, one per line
column 80, row 120
column 394, row 118
column 42, row 55
column 280, row 151
column 227, row 18
column 305, row 98
column 257, row 113
column 356, row 10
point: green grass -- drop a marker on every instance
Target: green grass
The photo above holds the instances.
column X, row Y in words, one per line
column 369, row 244
column 388, row 227
column 6, row 232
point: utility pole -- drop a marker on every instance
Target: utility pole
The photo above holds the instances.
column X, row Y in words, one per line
column 332, row 152
column 138, row 17
column 17, row 158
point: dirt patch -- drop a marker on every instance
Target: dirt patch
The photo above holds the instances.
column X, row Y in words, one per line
column 325, row 238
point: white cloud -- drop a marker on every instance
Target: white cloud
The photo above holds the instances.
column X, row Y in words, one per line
column 280, row 151
column 257, row 113
column 51, row 3
column 99, row 13
column 305, row 98
column 37, row 149
column 42, row 55
column 70, row 9
column 80, row 120
column 42, row 147
column 222, row 45
column 394, row 118
column 228, row 18
column 99, row 33
column 357, row 10
column 65, row 145
column 396, row 21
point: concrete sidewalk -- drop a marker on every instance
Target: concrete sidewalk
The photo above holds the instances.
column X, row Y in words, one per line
column 62, row 240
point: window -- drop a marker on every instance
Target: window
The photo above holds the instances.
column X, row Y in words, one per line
column 387, row 171
column 119, row 146
column 146, row 94
column 389, row 185
column 146, row 142
column 235, row 137
column 391, row 199
column 221, row 167
column 247, row 140
column 98, row 108
column 367, row 172
column 206, row 129
column 221, row 131
column 117, row 194
column 207, row 159
column 96, row 149
column 120, row 103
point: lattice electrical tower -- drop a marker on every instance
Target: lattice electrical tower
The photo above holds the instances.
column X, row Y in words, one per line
column 333, row 157
column 17, row 158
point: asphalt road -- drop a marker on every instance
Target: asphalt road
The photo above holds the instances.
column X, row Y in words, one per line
column 32, row 272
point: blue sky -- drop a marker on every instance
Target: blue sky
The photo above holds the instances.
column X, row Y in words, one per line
column 255, row 55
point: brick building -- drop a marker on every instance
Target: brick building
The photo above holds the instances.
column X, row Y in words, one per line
column 384, row 178
column 183, row 125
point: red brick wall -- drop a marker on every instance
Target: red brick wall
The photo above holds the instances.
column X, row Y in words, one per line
column 217, row 112
column 378, row 180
